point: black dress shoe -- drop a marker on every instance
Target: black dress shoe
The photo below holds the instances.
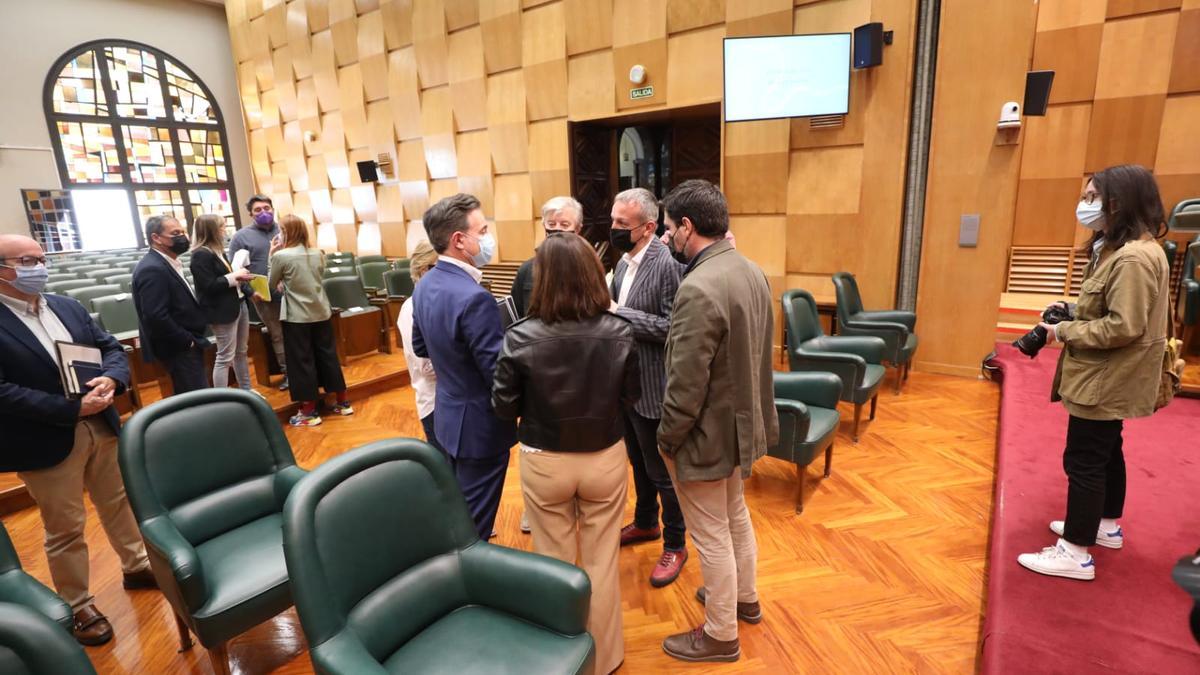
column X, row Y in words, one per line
column 140, row 580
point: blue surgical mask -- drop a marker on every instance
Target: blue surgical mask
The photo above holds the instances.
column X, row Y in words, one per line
column 487, row 249
column 30, row 280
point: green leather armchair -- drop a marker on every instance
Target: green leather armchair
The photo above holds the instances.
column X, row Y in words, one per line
column 895, row 327
column 399, row 283
column 371, row 274
column 808, row 422
column 207, row 474
column 387, row 588
column 1188, row 309
column 31, row 644
column 16, row 586
column 854, row 359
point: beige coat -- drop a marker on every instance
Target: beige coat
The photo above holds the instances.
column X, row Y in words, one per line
column 300, row 269
column 1112, row 357
column 718, row 411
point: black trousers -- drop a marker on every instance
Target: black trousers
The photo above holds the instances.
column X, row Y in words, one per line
column 187, row 370
column 1095, row 466
column 311, row 360
column 482, row 482
column 430, row 436
column 651, row 481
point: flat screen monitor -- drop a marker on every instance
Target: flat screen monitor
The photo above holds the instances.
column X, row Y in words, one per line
column 787, row 76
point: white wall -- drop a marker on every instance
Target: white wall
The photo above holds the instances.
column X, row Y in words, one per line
column 34, row 33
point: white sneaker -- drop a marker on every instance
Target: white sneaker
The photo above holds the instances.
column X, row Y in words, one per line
column 525, row 523
column 1114, row 539
column 1056, row 561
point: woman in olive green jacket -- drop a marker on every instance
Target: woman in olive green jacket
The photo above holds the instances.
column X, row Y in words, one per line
column 1111, row 361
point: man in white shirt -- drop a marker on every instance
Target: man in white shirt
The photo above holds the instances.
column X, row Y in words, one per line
column 644, row 285
column 60, row 445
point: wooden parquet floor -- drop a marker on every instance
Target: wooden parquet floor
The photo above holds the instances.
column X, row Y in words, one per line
column 883, row 573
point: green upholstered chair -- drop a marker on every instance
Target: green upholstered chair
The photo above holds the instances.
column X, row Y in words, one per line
column 118, row 315
column 364, row 259
column 401, row 263
column 808, row 422
column 207, row 473
column 894, row 327
column 340, row 271
column 360, row 323
column 387, row 588
column 81, row 269
column 1171, row 248
column 88, row 293
column 16, row 586
column 371, row 274
column 339, row 258
column 855, row 359
column 125, row 281
column 57, row 274
column 1187, row 311
column 61, row 287
column 98, row 276
column 31, row 644
column 399, row 283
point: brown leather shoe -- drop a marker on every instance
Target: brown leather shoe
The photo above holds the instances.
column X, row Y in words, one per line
column 750, row 612
column 668, row 567
column 696, row 645
column 140, row 580
column 92, row 627
column 632, row 534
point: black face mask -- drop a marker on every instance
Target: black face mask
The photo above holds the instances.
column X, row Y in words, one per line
column 180, row 244
column 622, row 240
column 678, row 254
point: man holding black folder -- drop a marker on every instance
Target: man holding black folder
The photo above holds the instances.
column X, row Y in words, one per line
column 60, row 444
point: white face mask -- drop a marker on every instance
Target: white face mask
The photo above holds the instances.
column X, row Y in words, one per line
column 1091, row 215
column 487, row 249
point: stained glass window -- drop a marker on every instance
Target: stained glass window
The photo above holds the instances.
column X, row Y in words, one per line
column 51, row 219
column 129, row 115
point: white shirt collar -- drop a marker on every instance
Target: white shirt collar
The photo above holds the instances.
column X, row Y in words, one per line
column 174, row 261
column 19, row 306
column 474, row 271
column 636, row 260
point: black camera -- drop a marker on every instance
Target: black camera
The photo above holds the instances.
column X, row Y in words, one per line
column 1032, row 342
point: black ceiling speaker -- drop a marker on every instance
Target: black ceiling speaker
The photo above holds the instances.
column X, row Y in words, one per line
column 1037, row 92
column 869, row 40
column 367, row 172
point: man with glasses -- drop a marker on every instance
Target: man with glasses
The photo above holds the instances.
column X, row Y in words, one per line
column 559, row 214
column 59, row 445
column 256, row 239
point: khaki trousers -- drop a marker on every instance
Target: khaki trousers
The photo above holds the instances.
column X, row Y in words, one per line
column 719, row 522
column 58, row 492
column 575, row 501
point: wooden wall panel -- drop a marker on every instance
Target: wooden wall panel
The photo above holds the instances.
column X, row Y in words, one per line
column 513, row 219
column 825, row 180
column 475, row 167
column 461, row 14
column 404, row 92
column 1124, row 131
column 429, row 39
column 1056, row 145
column 833, row 16
column 507, row 122
column 758, row 17
column 694, row 66
column 1119, row 8
column 589, row 25
column 437, row 132
column 544, row 56
column 1179, row 140
column 1045, row 212
column 549, row 160
column 640, row 37
column 354, row 105
column 1074, row 56
column 345, row 40
column 414, row 177
column 1135, row 56
column 468, row 84
column 1185, row 63
column 397, row 23
column 499, row 21
column 318, row 14
column 591, row 86
column 756, row 166
column 683, row 15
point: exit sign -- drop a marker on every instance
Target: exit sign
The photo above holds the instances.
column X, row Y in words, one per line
column 644, row 92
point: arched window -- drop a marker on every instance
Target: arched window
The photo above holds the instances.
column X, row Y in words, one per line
column 132, row 125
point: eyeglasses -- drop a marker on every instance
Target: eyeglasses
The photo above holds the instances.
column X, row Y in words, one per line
column 1089, row 198
column 29, row 260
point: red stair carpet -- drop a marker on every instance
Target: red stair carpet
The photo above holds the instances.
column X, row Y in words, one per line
column 1132, row 618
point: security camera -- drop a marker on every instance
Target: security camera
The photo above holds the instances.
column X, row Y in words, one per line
column 1010, row 116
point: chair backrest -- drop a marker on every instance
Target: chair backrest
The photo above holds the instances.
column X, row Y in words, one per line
column 1185, row 217
column 398, row 282
column 116, row 312
column 371, row 273
column 209, row 461
column 364, row 259
column 849, row 302
column 125, row 281
column 800, row 313
column 91, row 267
column 1191, row 260
column 339, row 271
column 101, row 275
column 109, row 260
column 9, row 560
column 68, row 284
column 339, row 258
column 1171, row 248
column 89, row 293
column 32, row 643
column 357, row 561
column 127, row 265
column 345, row 292
column 401, row 263
column 59, row 274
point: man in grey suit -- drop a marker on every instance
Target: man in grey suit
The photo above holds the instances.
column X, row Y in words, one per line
column 643, row 289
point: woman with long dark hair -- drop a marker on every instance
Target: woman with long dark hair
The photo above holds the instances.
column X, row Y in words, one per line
column 1111, row 362
column 569, row 372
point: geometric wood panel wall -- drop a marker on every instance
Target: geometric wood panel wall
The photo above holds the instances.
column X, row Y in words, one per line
column 1126, row 90
column 475, row 95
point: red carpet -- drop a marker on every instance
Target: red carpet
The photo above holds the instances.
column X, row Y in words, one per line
column 1132, row 618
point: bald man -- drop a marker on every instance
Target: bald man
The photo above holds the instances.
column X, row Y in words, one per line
column 60, row 445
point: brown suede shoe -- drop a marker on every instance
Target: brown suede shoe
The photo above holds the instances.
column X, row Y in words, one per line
column 140, row 580
column 750, row 612
column 92, row 627
column 632, row 534
column 668, row 567
column 696, row 645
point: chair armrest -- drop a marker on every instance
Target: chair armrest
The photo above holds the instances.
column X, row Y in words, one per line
column 18, row 587
column 285, row 480
column 794, row 420
column 541, row 590
column 1189, row 302
column 812, row 388
column 345, row 654
column 877, row 326
column 167, row 543
column 397, row 298
column 869, row 349
column 907, row 319
column 378, row 302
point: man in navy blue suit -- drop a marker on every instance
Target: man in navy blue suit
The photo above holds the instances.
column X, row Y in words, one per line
column 170, row 320
column 456, row 325
column 59, row 445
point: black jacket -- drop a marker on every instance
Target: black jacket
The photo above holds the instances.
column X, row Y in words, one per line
column 220, row 301
column 37, row 422
column 569, row 382
column 522, row 288
column 169, row 317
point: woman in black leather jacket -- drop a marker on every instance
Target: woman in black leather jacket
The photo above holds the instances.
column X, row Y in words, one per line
column 568, row 372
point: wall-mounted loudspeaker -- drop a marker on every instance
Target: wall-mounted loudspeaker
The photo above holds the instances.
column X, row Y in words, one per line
column 1037, row 92
column 869, row 40
column 367, row 172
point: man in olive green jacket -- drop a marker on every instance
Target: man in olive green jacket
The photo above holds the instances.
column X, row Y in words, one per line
column 718, row 413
